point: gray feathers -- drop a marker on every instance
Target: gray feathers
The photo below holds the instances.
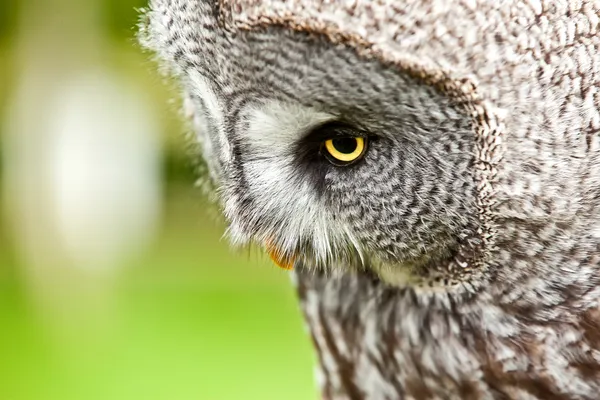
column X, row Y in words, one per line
column 459, row 258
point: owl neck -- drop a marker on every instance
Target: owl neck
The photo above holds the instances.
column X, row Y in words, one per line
column 373, row 339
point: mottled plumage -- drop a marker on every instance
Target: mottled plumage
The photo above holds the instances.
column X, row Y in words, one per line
column 460, row 258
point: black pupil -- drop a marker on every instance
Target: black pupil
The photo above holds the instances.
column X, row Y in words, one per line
column 345, row 145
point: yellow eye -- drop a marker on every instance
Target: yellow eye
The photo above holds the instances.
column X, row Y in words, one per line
column 345, row 150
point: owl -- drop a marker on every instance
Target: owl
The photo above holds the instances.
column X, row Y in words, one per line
column 429, row 169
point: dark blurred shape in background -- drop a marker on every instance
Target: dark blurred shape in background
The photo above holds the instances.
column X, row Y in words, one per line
column 114, row 280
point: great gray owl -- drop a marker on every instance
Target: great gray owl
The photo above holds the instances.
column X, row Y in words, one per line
column 431, row 170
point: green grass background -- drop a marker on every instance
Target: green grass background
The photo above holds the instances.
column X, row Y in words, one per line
column 193, row 321
column 187, row 319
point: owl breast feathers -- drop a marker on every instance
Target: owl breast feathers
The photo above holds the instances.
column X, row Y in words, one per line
column 430, row 169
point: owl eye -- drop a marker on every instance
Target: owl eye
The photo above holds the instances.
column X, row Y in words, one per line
column 345, row 150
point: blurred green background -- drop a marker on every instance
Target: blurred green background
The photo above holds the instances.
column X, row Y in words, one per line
column 115, row 282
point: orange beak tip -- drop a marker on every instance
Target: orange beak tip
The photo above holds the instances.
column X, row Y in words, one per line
column 282, row 261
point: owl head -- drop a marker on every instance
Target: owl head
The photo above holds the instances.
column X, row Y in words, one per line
column 331, row 151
